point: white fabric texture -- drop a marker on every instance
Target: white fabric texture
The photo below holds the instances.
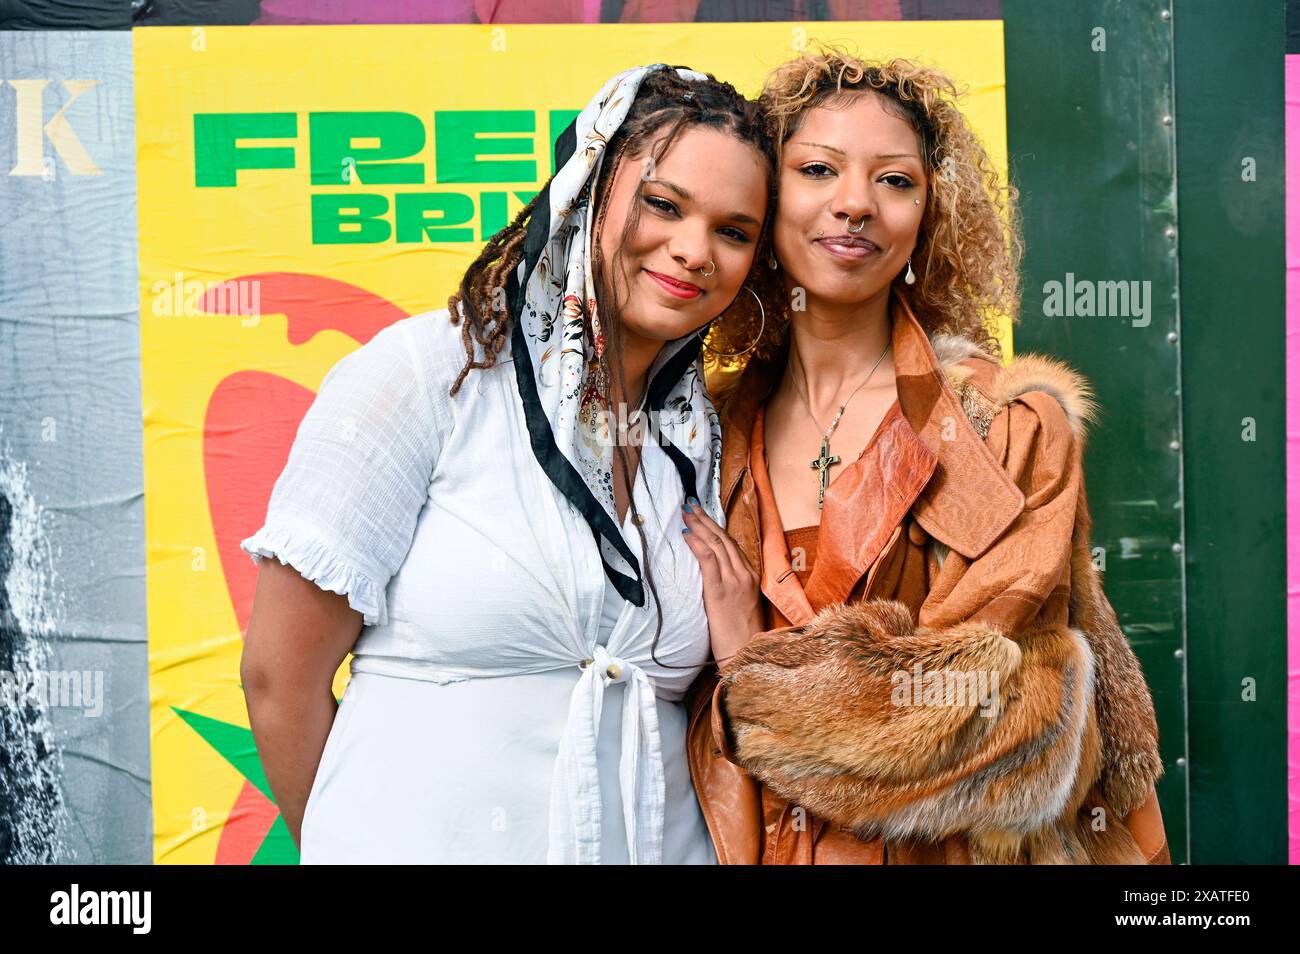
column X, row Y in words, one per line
column 346, row 504
column 482, row 593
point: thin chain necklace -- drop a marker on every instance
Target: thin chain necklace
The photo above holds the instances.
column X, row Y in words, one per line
column 824, row 460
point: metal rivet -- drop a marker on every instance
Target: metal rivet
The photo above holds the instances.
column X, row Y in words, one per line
column 1164, row 14
column 1171, row 337
column 1181, row 762
column 613, row 671
column 1177, row 548
column 1167, row 119
column 1170, row 232
column 1174, row 445
column 1178, row 653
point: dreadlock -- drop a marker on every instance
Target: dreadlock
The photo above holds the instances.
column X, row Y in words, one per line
column 482, row 290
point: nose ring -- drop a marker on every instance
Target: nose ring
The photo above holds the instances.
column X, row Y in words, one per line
column 713, row 268
column 848, row 219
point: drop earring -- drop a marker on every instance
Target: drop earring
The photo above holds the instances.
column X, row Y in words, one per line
column 909, row 277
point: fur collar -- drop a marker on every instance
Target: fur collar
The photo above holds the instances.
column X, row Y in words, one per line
column 966, row 365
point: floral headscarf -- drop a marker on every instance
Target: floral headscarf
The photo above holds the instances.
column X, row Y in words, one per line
column 554, row 284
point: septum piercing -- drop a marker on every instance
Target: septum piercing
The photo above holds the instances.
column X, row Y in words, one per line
column 848, row 221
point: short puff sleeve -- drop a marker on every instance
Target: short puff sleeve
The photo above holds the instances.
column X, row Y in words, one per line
column 344, row 509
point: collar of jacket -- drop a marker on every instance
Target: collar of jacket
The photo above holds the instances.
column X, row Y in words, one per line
column 955, row 488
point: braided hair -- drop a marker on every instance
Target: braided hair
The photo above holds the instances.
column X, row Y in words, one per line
column 664, row 100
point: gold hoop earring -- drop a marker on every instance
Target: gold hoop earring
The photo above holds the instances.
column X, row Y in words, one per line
column 703, row 332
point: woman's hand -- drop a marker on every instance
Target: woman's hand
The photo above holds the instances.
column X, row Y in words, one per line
column 732, row 599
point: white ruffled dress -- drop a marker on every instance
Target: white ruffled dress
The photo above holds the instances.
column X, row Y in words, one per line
column 471, row 730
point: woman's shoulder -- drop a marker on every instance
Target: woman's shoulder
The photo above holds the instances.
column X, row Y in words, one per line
column 440, row 345
column 1060, row 395
column 428, row 352
column 1029, row 392
column 404, row 372
column 1033, row 413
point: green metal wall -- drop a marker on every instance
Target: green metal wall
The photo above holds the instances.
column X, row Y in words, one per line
column 1229, row 67
column 1127, row 122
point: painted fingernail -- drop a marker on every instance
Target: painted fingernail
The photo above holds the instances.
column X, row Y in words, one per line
column 686, row 529
column 687, row 506
column 693, row 501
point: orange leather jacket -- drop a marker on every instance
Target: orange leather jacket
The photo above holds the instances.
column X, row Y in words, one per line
column 958, row 545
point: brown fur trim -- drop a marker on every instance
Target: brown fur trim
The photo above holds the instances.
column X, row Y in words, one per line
column 1035, row 372
column 1125, row 712
column 957, row 358
column 1024, row 373
column 816, row 713
column 980, row 411
column 951, row 350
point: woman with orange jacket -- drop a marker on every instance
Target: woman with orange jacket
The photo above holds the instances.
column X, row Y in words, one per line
column 916, row 660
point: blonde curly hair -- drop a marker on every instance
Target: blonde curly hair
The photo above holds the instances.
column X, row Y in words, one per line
column 970, row 245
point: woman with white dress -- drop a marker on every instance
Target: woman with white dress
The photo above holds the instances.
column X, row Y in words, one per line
column 471, row 509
